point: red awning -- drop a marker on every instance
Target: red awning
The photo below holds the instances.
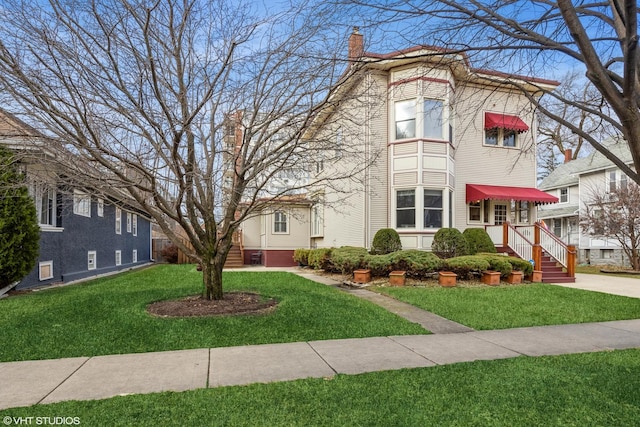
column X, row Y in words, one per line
column 504, row 121
column 476, row 192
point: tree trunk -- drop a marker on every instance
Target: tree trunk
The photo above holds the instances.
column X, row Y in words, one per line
column 212, row 280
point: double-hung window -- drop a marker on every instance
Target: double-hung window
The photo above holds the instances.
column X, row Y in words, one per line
column 118, row 220
column 81, row 204
column 280, row 222
column 45, row 205
column 405, row 116
column 406, row 209
column 432, row 118
column 432, row 208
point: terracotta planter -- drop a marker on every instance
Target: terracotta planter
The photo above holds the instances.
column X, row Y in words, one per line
column 362, row 276
column 447, row 279
column 536, row 276
column 397, row 278
column 515, row 277
column 491, row 278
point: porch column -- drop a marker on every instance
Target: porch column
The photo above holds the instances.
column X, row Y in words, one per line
column 505, row 234
column 571, row 260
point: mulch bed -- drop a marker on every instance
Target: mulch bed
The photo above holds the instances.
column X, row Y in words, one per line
column 233, row 303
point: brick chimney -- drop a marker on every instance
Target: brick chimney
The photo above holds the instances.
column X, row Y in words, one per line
column 568, row 155
column 356, row 44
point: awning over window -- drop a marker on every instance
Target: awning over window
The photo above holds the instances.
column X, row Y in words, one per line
column 504, row 121
column 476, row 192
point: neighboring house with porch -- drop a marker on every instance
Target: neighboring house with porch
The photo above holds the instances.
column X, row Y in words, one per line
column 455, row 145
column 574, row 183
column 81, row 235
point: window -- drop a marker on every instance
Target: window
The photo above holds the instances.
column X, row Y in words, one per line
column 45, row 205
column 405, row 116
column 45, row 270
column 522, row 212
column 280, row 222
column 134, row 256
column 501, row 137
column 118, row 257
column 405, row 209
column 499, row 214
column 91, row 260
column 606, row 253
column 118, row 220
column 316, row 220
column 81, row 204
column 432, row 118
column 135, row 224
column 432, row 209
column 479, row 211
column 128, row 222
column 100, row 207
column 617, row 180
column 557, row 227
column 564, row 195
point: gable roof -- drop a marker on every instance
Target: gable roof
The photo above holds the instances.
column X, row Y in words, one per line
column 567, row 174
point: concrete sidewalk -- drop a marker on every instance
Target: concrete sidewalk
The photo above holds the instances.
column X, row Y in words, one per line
column 86, row 378
column 628, row 287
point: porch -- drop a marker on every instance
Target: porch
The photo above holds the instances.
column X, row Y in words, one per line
column 550, row 255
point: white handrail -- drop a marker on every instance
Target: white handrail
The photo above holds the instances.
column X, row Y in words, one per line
column 520, row 245
column 553, row 246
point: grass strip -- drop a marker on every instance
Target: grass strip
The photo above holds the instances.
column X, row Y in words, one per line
column 506, row 306
column 108, row 316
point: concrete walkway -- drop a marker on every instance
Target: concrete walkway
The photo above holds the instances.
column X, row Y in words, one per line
column 86, row 378
column 628, row 287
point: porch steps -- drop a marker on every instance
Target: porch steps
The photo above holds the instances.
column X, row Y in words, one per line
column 234, row 258
column 552, row 272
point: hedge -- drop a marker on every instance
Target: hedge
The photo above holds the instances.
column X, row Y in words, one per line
column 319, row 258
column 467, row 266
column 346, row 259
column 301, row 256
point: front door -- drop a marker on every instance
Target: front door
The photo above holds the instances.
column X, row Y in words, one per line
column 499, row 213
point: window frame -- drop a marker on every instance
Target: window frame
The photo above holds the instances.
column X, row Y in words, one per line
column 396, row 121
column 439, row 120
column 43, row 264
column 118, row 220
column 92, row 260
column 500, row 138
column 426, row 208
column 134, row 224
column 40, row 191
column 278, row 221
column 407, row 208
column 118, row 257
column 100, row 208
column 317, row 221
column 564, row 196
column 81, row 204
column 134, row 256
column 128, row 222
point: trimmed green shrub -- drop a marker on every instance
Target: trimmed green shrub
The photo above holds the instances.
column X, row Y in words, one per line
column 385, row 241
column 301, row 256
column 380, row 265
column 520, row 265
column 319, row 258
column 478, row 240
column 449, row 243
column 499, row 263
column 415, row 262
column 347, row 258
column 467, row 266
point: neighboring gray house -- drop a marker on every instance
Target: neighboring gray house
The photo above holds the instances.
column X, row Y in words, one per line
column 574, row 182
column 81, row 235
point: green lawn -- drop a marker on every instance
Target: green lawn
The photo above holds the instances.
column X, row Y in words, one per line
column 108, row 316
column 506, row 306
column 593, row 389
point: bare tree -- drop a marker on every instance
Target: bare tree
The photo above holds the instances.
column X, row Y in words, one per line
column 539, row 36
column 146, row 94
column 616, row 214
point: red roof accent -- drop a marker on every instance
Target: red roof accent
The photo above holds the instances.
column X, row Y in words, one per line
column 504, row 121
column 476, row 192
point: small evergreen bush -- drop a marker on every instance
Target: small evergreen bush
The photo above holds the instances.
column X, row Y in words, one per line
column 449, row 243
column 478, row 240
column 385, row 241
column 301, row 256
column 380, row 265
column 498, row 263
column 347, row 258
column 467, row 266
column 415, row 262
column 319, row 258
column 520, row 265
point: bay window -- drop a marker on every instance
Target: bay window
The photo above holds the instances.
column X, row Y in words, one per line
column 406, row 209
column 432, row 118
column 432, row 209
column 405, row 116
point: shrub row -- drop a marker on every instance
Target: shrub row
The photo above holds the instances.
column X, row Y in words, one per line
column 416, row 263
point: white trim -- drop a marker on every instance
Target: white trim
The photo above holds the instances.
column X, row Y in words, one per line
column 135, row 224
column 134, row 256
column 43, row 264
column 92, row 260
column 118, row 217
column 287, row 223
column 128, row 222
column 81, row 203
column 118, row 257
column 100, row 208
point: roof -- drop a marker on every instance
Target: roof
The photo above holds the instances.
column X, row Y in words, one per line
column 567, row 174
column 477, row 192
column 558, row 212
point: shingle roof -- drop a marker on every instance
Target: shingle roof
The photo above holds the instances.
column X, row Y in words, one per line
column 566, row 174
